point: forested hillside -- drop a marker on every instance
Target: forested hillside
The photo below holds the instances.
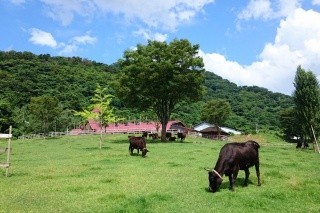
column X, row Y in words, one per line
column 71, row 82
column 253, row 107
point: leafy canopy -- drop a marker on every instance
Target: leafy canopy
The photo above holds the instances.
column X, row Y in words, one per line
column 216, row 111
column 306, row 98
column 160, row 75
column 100, row 110
column 46, row 109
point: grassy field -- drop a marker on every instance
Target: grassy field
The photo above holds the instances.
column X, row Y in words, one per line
column 70, row 174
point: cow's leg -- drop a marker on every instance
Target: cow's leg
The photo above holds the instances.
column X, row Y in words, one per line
column 247, row 177
column 130, row 150
column 233, row 177
column 231, row 182
column 258, row 173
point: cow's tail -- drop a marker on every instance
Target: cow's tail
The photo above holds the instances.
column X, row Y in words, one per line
column 255, row 144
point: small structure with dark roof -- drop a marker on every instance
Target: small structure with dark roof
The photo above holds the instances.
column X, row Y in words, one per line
column 208, row 130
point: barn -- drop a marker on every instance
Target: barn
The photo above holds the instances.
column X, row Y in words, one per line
column 134, row 127
column 208, row 130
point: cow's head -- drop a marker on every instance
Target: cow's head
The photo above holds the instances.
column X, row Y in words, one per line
column 215, row 180
column 144, row 152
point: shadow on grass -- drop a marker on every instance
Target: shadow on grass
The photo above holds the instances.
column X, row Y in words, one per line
column 15, row 174
column 138, row 155
column 142, row 203
column 226, row 186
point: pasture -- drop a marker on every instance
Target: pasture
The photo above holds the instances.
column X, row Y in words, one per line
column 71, row 174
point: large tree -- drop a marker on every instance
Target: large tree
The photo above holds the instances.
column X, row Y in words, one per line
column 216, row 112
column 159, row 75
column 306, row 98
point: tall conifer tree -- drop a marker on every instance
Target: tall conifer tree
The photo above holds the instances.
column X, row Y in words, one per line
column 306, row 98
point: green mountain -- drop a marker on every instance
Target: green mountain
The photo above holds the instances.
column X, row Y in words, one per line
column 72, row 80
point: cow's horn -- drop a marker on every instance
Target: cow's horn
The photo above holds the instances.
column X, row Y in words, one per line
column 217, row 173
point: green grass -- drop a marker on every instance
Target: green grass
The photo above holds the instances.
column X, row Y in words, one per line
column 70, row 174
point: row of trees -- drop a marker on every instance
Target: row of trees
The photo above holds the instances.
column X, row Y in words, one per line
column 154, row 81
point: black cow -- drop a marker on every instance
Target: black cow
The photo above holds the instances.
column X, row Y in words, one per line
column 302, row 144
column 145, row 134
column 232, row 158
column 168, row 135
column 172, row 138
column 138, row 143
column 153, row 136
column 182, row 135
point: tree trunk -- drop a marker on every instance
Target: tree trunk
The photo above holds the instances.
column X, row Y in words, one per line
column 164, row 130
column 100, row 143
column 315, row 143
column 219, row 131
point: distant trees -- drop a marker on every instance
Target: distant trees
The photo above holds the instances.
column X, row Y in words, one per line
column 45, row 109
column 306, row 98
column 251, row 105
column 72, row 81
column 5, row 115
column 216, row 112
column 158, row 76
column 289, row 123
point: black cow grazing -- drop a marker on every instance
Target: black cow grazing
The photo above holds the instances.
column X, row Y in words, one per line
column 168, row 135
column 138, row 143
column 232, row 158
column 302, row 144
column 172, row 138
column 182, row 135
column 145, row 134
column 153, row 136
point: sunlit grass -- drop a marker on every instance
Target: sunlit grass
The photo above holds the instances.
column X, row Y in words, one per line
column 71, row 174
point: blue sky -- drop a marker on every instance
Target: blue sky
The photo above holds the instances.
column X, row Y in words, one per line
column 249, row 42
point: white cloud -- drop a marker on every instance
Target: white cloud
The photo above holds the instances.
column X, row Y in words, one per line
column 39, row 37
column 42, row 38
column 297, row 43
column 148, row 35
column 316, row 2
column 164, row 14
column 256, row 9
column 75, row 44
column 85, row 39
column 68, row 49
column 268, row 9
column 65, row 10
column 17, row 2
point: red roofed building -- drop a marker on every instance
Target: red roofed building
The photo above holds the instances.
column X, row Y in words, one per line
column 130, row 127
